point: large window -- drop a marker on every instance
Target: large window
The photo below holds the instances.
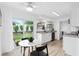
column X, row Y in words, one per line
column 22, row 29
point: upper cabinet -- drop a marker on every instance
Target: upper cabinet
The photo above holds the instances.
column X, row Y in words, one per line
column 45, row 26
column 75, row 16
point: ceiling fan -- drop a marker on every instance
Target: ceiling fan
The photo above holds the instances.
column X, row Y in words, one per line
column 30, row 6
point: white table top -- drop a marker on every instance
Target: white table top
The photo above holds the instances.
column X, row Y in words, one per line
column 26, row 43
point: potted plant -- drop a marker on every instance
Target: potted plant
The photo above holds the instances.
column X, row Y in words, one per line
column 31, row 39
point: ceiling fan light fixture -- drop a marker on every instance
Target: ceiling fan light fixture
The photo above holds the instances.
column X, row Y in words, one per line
column 30, row 9
column 30, row 6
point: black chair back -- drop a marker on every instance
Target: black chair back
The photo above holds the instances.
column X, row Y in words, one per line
column 24, row 38
column 41, row 48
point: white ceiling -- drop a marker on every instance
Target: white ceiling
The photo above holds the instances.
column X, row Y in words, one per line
column 46, row 8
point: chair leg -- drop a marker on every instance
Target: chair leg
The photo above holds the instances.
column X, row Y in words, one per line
column 38, row 53
column 47, row 51
column 24, row 51
column 21, row 49
column 35, row 47
column 32, row 49
column 29, row 51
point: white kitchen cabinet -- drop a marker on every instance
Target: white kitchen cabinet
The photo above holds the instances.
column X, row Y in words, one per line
column 75, row 16
column 71, row 45
column 39, row 37
column 46, row 37
column 43, row 37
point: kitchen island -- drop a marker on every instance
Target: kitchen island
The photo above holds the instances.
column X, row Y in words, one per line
column 44, row 36
column 71, row 44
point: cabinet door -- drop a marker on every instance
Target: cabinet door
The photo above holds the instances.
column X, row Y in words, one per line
column 39, row 37
column 47, row 37
column 69, row 45
column 44, row 37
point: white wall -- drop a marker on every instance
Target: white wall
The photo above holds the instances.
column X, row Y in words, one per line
column 7, row 43
column 65, row 27
column 0, row 41
column 0, row 30
column 35, row 29
column 75, row 16
column 57, row 29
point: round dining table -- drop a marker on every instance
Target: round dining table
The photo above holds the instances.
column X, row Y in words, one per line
column 26, row 44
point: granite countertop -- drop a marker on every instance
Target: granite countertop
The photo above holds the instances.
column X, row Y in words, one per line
column 71, row 35
column 45, row 31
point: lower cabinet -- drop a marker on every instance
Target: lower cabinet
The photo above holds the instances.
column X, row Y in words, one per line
column 71, row 45
column 44, row 37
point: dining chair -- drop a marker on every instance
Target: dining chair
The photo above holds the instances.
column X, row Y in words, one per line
column 41, row 48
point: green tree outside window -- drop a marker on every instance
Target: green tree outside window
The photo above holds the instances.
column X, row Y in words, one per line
column 16, row 28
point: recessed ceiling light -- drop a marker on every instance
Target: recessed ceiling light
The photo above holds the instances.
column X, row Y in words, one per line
column 55, row 13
